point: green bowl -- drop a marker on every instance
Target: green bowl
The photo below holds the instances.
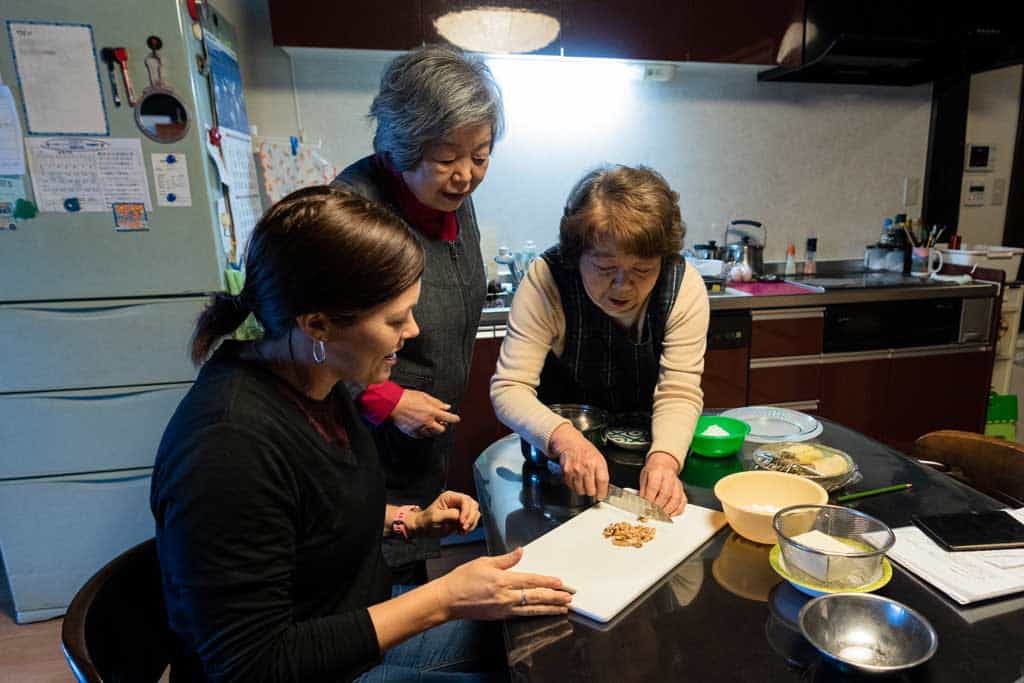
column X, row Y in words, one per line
column 705, row 472
column 719, row 446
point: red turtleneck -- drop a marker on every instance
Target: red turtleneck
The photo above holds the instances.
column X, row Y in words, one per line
column 431, row 223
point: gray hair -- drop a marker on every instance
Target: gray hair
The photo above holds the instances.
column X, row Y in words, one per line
column 428, row 93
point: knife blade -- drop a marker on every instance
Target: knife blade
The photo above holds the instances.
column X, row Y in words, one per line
column 632, row 502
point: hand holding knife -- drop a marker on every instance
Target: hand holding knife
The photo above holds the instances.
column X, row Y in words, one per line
column 632, row 502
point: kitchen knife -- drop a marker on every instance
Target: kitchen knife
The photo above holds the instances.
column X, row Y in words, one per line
column 632, row 502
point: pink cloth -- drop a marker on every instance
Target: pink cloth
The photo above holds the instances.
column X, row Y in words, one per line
column 771, row 288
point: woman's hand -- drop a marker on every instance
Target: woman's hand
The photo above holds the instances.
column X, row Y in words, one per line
column 451, row 513
column 660, row 484
column 583, row 467
column 485, row 589
column 420, row 415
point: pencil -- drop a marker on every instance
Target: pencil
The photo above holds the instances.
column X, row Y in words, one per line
column 872, row 492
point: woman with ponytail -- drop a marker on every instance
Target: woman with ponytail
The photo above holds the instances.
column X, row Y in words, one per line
column 267, row 492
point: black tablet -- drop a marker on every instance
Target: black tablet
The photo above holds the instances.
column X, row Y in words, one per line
column 996, row 530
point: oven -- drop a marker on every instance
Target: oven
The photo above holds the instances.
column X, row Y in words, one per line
column 903, row 324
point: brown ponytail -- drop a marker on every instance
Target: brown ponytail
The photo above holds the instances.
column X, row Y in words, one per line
column 221, row 317
column 318, row 249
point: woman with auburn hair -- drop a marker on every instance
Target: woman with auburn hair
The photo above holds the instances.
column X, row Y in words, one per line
column 611, row 317
column 267, row 492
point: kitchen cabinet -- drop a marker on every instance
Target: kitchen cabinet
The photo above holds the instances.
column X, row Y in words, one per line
column 746, row 31
column 479, row 427
column 354, row 24
column 787, row 332
column 725, row 378
column 731, row 31
column 785, row 353
column 784, row 383
column 626, row 29
column 853, row 392
column 930, row 390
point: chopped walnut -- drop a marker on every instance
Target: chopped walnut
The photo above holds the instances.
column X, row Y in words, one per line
column 629, row 535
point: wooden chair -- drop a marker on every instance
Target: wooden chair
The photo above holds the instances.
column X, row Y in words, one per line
column 116, row 626
column 993, row 466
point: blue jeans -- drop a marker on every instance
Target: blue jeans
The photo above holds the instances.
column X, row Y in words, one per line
column 455, row 652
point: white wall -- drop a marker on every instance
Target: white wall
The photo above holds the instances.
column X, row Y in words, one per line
column 991, row 119
column 803, row 158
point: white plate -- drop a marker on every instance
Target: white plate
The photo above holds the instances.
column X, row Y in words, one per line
column 775, row 425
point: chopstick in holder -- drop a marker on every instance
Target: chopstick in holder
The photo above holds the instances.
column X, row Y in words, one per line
column 873, row 492
column 910, row 235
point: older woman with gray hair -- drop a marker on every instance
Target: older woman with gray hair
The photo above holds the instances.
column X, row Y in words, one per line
column 438, row 115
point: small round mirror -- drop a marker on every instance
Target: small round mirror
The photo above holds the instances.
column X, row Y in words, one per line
column 161, row 115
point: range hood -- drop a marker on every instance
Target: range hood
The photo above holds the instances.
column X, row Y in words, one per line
column 870, row 60
column 896, row 42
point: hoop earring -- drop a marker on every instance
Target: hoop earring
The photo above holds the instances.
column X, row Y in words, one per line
column 319, row 352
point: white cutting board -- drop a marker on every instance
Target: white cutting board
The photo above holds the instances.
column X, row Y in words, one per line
column 607, row 578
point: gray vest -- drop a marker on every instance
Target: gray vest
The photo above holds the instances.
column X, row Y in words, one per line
column 437, row 361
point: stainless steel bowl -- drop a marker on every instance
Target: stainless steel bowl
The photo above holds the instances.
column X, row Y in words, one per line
column 868, row 632
column 590, row 420
column 867, row 540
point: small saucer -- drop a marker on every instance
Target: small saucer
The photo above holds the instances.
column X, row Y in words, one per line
column 817, row 589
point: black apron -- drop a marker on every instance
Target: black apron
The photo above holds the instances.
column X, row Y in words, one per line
column 603, row 364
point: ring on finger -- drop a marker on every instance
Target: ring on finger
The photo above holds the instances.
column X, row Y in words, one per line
column 522, row 598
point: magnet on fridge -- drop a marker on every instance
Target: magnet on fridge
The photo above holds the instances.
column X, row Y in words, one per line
column 171, row 197
column 24, row 209
column 72, row 204
column 170, row 159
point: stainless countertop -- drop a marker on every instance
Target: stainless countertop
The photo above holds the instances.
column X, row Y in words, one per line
column 852, row 289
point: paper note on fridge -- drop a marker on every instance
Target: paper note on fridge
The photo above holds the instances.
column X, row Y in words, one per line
column 12, row 153
column 87, row 174
column 59, row 78
column 170, row 179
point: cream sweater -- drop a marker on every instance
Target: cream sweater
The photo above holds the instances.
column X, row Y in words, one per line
column 536, row 325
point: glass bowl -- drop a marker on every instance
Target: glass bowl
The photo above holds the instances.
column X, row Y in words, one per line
column 832, row 546
column 780, row 458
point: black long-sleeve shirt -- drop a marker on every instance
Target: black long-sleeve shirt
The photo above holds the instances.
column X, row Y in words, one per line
column 268, row 534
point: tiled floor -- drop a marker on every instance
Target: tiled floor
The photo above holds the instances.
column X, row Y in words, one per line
column 31, row 653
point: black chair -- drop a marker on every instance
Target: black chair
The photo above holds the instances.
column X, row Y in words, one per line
column 116, row 626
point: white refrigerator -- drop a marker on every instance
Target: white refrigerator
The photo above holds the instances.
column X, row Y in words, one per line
column 99, row 291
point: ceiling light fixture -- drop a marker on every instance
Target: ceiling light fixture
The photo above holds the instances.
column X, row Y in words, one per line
column 498, row 29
